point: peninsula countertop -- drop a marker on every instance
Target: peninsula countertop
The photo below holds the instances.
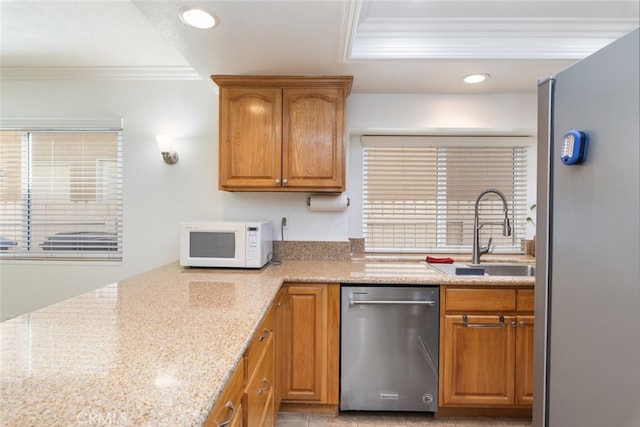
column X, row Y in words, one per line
column 157, row 349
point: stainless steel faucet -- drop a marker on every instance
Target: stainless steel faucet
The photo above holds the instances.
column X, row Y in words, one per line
column 506, row 227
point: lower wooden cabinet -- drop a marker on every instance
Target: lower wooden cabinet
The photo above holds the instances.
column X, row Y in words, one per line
column 259, row 392
column 258, row 400
column 486, row 354
column 293, row 357
column 524, row 347
column 486, row 357
column 228, row 410
column 479, row 360
column 278, row 343
column 309, row 363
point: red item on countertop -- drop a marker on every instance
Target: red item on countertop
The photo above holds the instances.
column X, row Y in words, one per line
column 439, row 260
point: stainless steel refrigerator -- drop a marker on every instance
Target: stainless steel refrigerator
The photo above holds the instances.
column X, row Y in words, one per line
column 587, row 332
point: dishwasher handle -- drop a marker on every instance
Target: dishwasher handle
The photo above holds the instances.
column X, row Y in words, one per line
column 385, row 302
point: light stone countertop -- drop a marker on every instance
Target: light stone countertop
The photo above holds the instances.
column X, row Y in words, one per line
column 157, row 349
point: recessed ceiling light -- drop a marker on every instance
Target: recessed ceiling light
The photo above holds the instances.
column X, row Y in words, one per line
column 198, row 17
column 475, row 78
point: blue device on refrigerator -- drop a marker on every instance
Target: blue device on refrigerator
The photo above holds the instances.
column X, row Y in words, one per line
column 574, row 147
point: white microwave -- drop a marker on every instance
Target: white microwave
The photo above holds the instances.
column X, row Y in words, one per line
column 236, row 244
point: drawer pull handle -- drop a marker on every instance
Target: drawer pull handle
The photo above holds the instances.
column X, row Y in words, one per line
column 465, row 322
column 266, row 334
column 233, row 413
column 265, row 381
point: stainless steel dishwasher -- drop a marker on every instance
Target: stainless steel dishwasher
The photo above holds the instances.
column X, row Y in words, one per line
column 389, row 348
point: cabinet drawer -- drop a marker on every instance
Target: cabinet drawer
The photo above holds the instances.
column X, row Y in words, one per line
column 228, row 406
column 259, row 390
column 464, row 299
column 259, row 342
column 525, row 300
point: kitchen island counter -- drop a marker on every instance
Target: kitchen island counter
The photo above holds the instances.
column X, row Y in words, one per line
column 158, row 348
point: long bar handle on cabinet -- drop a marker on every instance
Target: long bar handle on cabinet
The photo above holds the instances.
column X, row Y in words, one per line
column 465, row 322
column 228, row 420
column 382, row 302
column 265, row 336
column 265, row 381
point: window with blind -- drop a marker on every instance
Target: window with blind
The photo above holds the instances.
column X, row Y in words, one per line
column 61, row 194
column 419, row 193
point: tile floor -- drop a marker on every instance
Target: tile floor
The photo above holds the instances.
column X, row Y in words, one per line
column 369, row 419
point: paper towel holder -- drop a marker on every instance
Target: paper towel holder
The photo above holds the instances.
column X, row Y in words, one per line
column 309, row 201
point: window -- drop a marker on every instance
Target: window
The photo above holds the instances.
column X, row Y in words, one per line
column 419, row 193
column 61, row 194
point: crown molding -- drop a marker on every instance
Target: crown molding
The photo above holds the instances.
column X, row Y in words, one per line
column 99, row 73
column 495, row 37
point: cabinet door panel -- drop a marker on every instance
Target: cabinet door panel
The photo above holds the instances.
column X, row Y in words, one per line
column 304, row 343
column 524, row 360
column 479, row 360
column 250, row 137
column 313, row 140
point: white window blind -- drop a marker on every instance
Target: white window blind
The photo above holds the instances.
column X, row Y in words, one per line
column 419, row 194
column 61, row 194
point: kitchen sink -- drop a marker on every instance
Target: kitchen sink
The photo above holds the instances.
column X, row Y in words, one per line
column 485, row 269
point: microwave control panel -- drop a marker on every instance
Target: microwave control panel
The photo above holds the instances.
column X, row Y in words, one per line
column 252, row 243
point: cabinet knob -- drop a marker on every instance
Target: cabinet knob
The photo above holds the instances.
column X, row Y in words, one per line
column 285, row 181
column 523, row 323
column 277, row 181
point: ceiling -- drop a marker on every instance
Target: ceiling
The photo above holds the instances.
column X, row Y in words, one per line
column 414, row 46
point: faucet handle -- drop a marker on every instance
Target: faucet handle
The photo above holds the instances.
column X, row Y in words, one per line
column 487, row 248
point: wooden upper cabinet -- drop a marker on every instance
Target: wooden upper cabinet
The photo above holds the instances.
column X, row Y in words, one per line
column 313, row 138
column 282, row 133
column 250, row 137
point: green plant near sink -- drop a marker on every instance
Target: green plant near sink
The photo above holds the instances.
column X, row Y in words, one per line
column 530, row 219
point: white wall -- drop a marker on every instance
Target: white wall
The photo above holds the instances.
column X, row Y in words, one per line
column 157, row 196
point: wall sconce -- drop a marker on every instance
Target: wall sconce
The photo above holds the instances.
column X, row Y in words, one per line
column 165, row 142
